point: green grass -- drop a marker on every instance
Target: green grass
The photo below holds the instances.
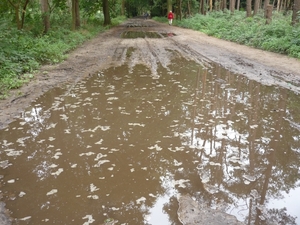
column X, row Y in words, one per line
column 22, row 52
column 278, row 36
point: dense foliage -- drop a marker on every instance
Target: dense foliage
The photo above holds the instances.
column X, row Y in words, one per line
column 278, row 36
column 24, row 51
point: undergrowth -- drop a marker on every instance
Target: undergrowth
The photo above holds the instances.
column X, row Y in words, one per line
column 278, row 36
column 22, row 52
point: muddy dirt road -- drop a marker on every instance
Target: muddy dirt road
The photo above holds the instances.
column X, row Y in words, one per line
column 112, row 48
column 155, row 46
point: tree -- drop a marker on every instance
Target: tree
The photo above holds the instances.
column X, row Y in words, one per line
column 202, row 7
column 256, row 7
column 248, row 8
column 169, row 5
column 45, row 15
column 19, row 7
column 296, row 11
column 123, row 8
column 232, row 5
column 75, row 14
column 105, row 7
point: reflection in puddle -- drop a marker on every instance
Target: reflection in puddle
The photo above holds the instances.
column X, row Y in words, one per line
column 123, row 145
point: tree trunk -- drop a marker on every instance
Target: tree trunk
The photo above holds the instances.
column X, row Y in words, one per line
column 169, row 6
column 45, row 15
column 224, row 5
column 256, row 6
column 201, row 7
column 268, row 14
column 248, row 8
column 123, row 8
column 210, row 5
column 266, row 3
column 189, row 7
column 180, row 9
column 296, row 9
column 18, row 20
column 238, row 5
column 232, row 6
column 23, row 13
column 105, row 7
column 75, row 14
column 17, row 14
column 278, row 5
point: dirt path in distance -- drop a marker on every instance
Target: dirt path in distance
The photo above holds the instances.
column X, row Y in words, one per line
column 109, row 49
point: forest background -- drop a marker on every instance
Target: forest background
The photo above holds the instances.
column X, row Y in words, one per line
column 39, row 32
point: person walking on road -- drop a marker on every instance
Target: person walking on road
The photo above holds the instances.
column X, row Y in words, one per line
column 170, row 17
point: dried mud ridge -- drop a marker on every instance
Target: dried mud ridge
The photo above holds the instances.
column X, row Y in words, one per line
column 111, row 49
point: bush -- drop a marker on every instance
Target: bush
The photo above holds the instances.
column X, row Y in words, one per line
column 22, row 52
column 279, row 36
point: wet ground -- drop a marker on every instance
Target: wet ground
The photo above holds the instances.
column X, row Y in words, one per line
column 130, row 142
column 124, row 145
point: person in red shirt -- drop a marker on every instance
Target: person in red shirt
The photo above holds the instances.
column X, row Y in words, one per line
column 170, row 17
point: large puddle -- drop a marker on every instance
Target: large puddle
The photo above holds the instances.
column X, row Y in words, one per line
column 123, row 145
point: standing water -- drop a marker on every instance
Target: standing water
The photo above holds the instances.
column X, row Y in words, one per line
column 123, row 146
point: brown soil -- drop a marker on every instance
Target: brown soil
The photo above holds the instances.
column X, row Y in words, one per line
column 110, row 49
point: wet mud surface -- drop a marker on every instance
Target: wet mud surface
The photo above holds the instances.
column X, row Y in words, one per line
column 109, row 49
column 138, row 124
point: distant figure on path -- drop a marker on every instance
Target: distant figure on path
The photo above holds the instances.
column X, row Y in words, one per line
column 146, row 15
column 170, row 17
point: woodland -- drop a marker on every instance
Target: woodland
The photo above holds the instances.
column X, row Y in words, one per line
column 39, row 32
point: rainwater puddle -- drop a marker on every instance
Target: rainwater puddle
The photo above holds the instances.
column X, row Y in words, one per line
column 123, row 145
column 144, row 34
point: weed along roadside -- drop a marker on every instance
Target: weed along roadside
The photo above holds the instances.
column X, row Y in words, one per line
column 145, row 123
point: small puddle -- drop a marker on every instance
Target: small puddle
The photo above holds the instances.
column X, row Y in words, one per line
column 144, row 34
column 123, row 145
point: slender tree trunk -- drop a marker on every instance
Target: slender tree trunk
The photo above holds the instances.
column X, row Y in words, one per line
column 75, row 14
column 278, row 5
column 238, row 5
column 169, row 5
column 232, row 6
column 23, row 13
column 202, row 7
column 210, row 5
column 256, row 6
column 248, row 8
column 123, row 8
column 180, row 9
column 45, row 15
column 189, row 7
column 268, row 14
column 285, row 3
column 17, row 14
column 296, row 9
column 266, row 3
column 105, row 6
column 224, row 4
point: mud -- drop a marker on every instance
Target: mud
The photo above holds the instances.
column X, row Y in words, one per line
column 109, row 49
